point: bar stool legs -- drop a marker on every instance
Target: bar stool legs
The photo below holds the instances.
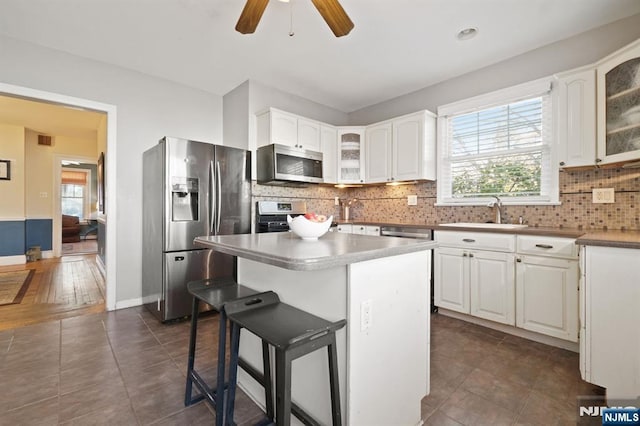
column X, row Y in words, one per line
column 216, row 292
column 293, row 333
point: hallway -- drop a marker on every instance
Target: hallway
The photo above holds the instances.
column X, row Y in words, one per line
column 61, row 288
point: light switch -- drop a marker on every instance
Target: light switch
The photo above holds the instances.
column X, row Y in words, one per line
column 603, row 195
column 412, row 200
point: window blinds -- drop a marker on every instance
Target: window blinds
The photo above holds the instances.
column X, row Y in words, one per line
column 503, row 150
column 74, row 178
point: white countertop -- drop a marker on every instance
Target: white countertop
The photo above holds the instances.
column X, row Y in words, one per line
column 286, row 250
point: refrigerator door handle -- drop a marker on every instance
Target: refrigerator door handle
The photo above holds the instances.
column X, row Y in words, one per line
column 211, row 200
column 219, row 196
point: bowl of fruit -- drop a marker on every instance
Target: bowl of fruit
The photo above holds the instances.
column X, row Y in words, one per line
column 310, row 226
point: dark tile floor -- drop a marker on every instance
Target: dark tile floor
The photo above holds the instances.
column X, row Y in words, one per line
column 484, row 377
column 126, row 368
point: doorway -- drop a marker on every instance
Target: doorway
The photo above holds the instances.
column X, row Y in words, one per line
column 109, row 150
column 78, row 198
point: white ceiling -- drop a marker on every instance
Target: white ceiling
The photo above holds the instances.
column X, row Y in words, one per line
column 396, row 47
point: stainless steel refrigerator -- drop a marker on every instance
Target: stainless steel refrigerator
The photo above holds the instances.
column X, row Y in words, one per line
column 189, row 189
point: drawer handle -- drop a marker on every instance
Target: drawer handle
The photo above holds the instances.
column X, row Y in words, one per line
column 470, row 254
column 544, row 246
column 464, row 254
column 468, row 240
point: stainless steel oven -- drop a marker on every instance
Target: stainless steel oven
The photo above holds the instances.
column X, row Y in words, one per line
column 271, row 216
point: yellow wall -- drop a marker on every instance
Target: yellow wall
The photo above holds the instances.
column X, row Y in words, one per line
column 12, row 203
column 38, row 178
column 40, row 168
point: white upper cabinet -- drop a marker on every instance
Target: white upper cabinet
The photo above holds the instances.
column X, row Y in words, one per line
column 414, row 147
column 619, row 105
column 351, row 153
column 275, row 126
column 378, row 153
column 329, row 148
column 576, row 124
column 401, row 149
column 309, row 134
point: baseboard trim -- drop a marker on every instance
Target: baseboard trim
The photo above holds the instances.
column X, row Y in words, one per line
column 47, row 254
column 13, row 260
column 525, row 334
column 100, row 264
column 123, row 304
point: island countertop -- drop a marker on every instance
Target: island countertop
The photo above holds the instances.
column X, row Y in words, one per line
column 286, row 250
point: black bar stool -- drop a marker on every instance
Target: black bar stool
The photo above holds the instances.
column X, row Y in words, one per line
column 217, row 292
column 293, row 333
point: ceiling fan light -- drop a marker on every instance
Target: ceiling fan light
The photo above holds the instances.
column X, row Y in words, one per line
column 467, row 33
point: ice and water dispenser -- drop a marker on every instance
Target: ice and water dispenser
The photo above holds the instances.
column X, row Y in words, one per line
column 184, row 199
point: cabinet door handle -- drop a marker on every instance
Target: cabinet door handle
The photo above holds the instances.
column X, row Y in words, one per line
column 464, row 255
column 544, row 246
column 470, row 254
column 562, row 163
column 518, row 260
column 468, row 240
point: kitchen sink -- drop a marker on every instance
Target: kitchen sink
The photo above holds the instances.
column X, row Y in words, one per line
column 485, row 225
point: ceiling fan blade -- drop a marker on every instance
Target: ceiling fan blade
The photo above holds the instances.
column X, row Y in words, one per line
column 251, row 15
column 335, row 16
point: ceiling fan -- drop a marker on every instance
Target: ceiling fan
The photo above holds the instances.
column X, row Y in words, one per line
column 331, row 11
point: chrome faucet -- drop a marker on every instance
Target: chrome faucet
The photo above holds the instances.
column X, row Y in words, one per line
column 498, row 205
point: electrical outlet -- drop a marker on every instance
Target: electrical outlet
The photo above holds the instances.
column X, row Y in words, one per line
column 412, row 200
column 336, row 201
column 603, row 195
column 44, row 195
column 365, row 315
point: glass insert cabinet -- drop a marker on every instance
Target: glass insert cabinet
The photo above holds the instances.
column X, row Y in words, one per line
column 351, row 155
column 619, row 106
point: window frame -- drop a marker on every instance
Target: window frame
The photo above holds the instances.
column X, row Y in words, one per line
column 500, row 97
column 86, row 193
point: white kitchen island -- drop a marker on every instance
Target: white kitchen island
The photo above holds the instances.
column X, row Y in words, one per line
column 381, row 285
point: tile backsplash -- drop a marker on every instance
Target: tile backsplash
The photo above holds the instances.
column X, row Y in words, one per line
column 389, row 203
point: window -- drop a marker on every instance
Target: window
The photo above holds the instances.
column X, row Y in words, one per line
column 74, row 192
column 498, row 144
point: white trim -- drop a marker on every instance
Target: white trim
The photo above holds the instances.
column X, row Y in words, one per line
column 47, row 254
column 542, row 87
column 56, row 240
column 86, row 199
column 122, row 304
column 110, row 172
column 13, row 260
column 499, row 97
column 13, row 219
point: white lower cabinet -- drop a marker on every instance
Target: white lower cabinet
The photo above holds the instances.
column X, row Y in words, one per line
column 451, row 279
column 529, row 282
column 610, row 343
column 492, row 286
column 345, row 228
column 478, row 282
column 359, row 229
column 547, row 296
column 474, row 274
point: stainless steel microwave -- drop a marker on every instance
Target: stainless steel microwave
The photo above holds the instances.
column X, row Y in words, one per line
column 285, row 165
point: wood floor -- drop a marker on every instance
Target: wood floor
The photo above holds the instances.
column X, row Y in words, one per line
column 63, row 287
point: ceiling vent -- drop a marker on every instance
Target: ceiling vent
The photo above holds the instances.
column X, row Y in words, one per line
column 45, row 140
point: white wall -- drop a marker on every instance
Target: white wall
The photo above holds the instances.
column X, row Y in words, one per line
column 564, row 55
column 147, row 109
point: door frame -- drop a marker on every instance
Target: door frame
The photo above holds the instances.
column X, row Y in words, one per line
column 110, row 169
column 56, row 240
